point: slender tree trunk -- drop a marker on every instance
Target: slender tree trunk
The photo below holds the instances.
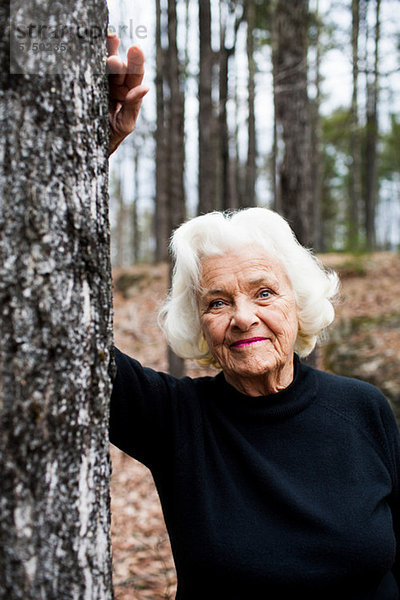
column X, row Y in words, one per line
column 207, row 146
column 225, row 191
column 292, row 114
column 316, row 142
column 55, row 311
column 135, row 213
column 275, row 166
column 228, row 20
column 238, row 166
column 120, row 227
column 176, row 124
column 161, row 218
column 176, row 154
column 355, row 141
column 249, row 198
column 275, row 158
column 371, row 183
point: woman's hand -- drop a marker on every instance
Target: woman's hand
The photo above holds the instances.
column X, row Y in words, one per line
column 125, row 89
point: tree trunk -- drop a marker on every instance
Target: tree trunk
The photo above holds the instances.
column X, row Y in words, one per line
column 135, row 243
column 238, row 167
column 371, row 175
column 176, row 154
column 316, row 141
column 229, row 25
column 225, row 180
column 355, row 141
column 121, row 220
column 161, row 218
column 274, row 169
column 207, row 131
column 55, row 310
column 292, row 114
column 249, row 198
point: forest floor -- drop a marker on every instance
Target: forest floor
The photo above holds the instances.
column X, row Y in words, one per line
column 363, row 342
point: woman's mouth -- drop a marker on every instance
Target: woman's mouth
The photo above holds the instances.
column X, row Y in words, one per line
column 248, row 342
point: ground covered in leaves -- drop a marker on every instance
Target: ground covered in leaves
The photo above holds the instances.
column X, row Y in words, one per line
column 363, row 342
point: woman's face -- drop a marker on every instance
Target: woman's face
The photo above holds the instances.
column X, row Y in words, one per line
column 249, row 319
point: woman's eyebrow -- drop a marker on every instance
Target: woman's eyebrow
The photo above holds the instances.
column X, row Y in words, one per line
column 265, row 280
column 212, row 292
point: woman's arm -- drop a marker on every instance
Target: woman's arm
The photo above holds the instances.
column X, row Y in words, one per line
column 142, row 406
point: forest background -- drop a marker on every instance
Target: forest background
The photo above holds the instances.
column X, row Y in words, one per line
column 288, row 105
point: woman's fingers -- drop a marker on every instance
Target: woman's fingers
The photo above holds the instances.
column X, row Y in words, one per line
column 112, row 43
column 116, row 69
column 127, row 76
column 135, row 67
column 137, row 93
column 129, row 112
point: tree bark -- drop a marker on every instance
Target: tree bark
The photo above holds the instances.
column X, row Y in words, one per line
column 135, row 242
column 207, row 122
column 121, row 220
column 176, row 154
column 371, row 175
column 229, row 20
column 355, row 140
column 161, row 218
column 292, row 114
column 316, row 140
column 224, row 157
column 55, row 312
column 249, row 198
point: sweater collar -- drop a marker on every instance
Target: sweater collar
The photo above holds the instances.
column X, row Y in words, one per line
column 284, row 404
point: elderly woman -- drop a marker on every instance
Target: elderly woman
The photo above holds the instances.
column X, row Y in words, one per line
column 276, row 479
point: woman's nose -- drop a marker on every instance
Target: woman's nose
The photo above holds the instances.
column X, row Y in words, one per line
column 244, row 316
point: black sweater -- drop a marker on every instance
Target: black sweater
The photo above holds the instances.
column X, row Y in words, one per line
column 286, row 495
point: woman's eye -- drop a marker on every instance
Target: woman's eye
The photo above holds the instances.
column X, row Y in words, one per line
column 216, row 304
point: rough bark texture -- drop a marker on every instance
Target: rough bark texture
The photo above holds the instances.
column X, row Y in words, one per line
column 292, row 114
column 55, row 318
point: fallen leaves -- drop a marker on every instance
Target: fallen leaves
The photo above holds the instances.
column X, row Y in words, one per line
column 365, row 339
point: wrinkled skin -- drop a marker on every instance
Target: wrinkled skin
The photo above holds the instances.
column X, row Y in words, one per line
column 249, row 319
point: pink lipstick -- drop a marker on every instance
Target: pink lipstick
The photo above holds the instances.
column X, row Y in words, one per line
column 248, row 342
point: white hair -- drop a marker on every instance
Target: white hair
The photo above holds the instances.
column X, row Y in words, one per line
column 216, row 233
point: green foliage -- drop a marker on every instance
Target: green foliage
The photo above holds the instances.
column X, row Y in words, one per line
column 336, row 130
column 390, row 154
column 335, row 165
column 331, row 192
column 263, row 10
